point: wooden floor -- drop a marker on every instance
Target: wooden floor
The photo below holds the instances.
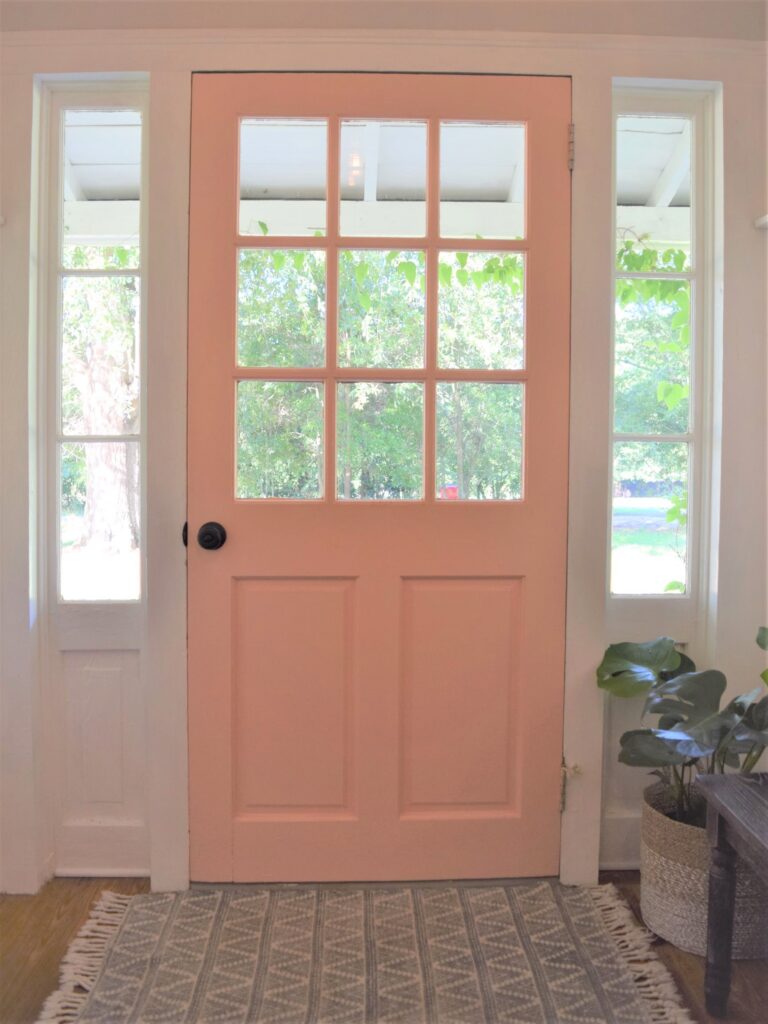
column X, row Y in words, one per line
column 749, row 989
column 36, row 930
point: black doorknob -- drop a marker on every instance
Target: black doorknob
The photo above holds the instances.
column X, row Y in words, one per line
column 211, row 536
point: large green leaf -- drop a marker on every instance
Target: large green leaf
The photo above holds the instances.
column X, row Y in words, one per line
column 701, row 729
column 630, row 670
column 751, row 729
column 700, row 741
column 762, row 637
column 643, row 748
column 693, row 696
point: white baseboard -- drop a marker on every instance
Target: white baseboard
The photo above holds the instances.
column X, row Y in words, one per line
column 102, row 849
column 89, row 872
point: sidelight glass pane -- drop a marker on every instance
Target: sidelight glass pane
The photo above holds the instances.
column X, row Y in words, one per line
column 383, row 178
column 381, row 308
column 650, row 517
column 482, row 180
column 101, row 189
column 100, row 522
column 479, row 441
column 100, row 355
column 380, row 441
column 280, row 307
column 282, row 176
column 279, row 439
column 481, row 310
column 653, row 193
column 100, row 257
column 652, row 351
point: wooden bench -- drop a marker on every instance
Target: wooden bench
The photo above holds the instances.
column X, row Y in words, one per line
column 737, row 825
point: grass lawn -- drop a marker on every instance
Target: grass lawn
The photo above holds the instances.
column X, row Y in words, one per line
column 647, row 551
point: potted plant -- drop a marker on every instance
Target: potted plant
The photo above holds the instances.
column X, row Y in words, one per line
column 693, row 734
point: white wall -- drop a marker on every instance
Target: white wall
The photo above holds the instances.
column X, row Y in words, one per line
column 714, row 19
column 593, row 61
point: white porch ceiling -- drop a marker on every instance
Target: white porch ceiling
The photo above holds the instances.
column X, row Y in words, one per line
column 102, row 154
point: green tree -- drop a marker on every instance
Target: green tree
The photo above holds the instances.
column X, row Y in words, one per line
column 100, row 396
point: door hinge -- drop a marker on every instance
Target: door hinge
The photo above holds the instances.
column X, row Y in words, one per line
column 567, row 771
column 571, row 145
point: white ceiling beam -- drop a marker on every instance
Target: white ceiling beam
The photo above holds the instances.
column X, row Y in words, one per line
column 671, row 177
column 371, row 181
column 72, row 189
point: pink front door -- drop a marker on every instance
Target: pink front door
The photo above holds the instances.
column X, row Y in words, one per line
column 378, row 416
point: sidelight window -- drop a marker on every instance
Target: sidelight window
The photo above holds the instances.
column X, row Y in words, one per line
column 96, row 268
column 657, row 369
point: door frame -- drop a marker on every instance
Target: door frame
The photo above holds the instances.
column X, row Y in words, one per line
column 32, row 59
column 583, row 707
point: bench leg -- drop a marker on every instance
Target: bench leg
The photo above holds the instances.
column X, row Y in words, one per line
column 722, row 897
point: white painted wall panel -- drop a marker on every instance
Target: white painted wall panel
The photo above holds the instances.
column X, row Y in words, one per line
column 102, row 822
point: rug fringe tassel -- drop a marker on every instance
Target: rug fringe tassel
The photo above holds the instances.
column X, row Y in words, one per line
column 634, row 941
column 82, row 961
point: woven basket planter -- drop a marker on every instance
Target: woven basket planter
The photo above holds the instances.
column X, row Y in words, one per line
column 674, row 885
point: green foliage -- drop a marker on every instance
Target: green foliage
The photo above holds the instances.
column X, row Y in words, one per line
column 73, row 480
column 281, row 322
column 636, row 256
column 479, row 439
column 630, row 670
column 98, row 257
column 279, row 439
column 762, row 641
column 99, row 371
column 693, row 732
column 652, row 367
column 678, row 509
column 381, row 308
column 380, row 440
column 652, row 383
column 281, row 307
column 675, row 587
column 652, row 372
column 481, row 310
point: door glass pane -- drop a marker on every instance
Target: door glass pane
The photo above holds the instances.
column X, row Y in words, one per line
column 653, row 193
column 380, row 441
column 279, row 443
column 99, row 355
column 383, row 182
column 482, row 180
column 479, row 441
column 101, row 188
column 650, row 517
column 652, row 353
column 481, row 310
column 282, row 176
column 280, row 307
column 381, row 308
column 99, row 503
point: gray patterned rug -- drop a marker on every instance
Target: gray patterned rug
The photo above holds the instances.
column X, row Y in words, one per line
column 528, row 953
